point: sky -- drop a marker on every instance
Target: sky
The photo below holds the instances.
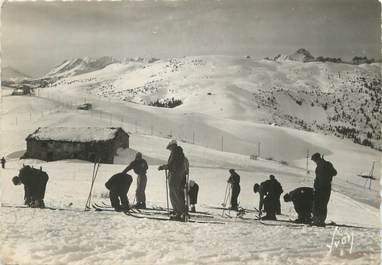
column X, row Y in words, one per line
column 36, row 36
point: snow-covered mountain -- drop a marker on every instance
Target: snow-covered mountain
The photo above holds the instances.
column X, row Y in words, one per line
column 11, row 74
column 80, row 66
column 336, row 98
column 301, row 55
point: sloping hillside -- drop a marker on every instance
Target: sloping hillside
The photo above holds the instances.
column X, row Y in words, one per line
column 334, row 98
column 11, row 74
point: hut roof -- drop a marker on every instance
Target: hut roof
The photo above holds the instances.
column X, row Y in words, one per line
column 73, row 134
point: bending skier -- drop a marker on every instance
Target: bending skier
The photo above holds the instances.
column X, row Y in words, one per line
column 177, row 167
column 139, row 165
column 302, row 199
column 193, row 194
column 119, row 185
column 322, row 188
column 278, row 191
column 234, row 180
column 34, row 181
column 269, row 194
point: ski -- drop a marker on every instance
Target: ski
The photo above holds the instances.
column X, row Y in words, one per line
column 158, row 218
column 107, row 209
column 291, row 223
column 27, row 207
column 157, row 209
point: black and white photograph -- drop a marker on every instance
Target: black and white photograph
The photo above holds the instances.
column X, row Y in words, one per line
column 178, row 132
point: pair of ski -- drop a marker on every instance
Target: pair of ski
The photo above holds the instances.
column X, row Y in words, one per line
column 290, row 223
column 240, row 212
column 27, row 207
column 160, row 215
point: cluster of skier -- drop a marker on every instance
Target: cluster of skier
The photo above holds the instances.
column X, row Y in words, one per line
column 309, row 203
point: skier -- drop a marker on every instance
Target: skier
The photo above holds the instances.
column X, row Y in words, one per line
column 139, row 165
column 193, row 193
column 177, row 166
column 322, row 188
column 302, row 199
column 3, row 162
column 278, row 192
column 269, row 193
column 119, row 185
column 34, row 181
column 234, row 180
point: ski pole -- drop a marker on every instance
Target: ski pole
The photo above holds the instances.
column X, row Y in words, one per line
column 225, row 195
column 168, row 208
column 87, row 201
column 226, row 199
column 186, row 191
column 91, row 187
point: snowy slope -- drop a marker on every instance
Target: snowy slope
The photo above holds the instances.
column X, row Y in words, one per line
column 335, row 98
column 32, row 236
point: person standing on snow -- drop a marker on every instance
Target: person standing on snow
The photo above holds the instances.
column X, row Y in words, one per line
column 302, row 199
column 278, row 191
column 3, row 162
column 234, row 180
column 193, row 194
column 119, row 185
column 34, row 181
column 177, row 166
column 322, row 189
column 269, row 193
column 139, row 165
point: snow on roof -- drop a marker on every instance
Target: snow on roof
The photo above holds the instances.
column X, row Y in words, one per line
column 71, row 134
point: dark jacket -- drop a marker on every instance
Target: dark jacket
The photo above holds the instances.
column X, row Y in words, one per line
column 277, row 189
column 34, row 181
column 234, row 179
column 302, row 194
column 138, row 165
column 324, row 174
column 119, row 182
column 176, row 163
column 270, row 192
column 193, row 193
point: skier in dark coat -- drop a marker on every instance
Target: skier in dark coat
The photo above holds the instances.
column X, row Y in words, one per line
column 119, row 185
column 34, row 181
column 269, row 192
column 193, row 194
column 139, row 165
column 278, row 191
column 177, row 167
column 322, row 188
column 302, row 199
column 3, row 162
column 234, row 180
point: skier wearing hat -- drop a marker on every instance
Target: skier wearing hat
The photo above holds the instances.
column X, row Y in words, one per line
column 139, row 165
column 177, row 166
column 322, row 188
column 119, row 185
column 302, row 199
column 234, row 180
column 34, row 181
